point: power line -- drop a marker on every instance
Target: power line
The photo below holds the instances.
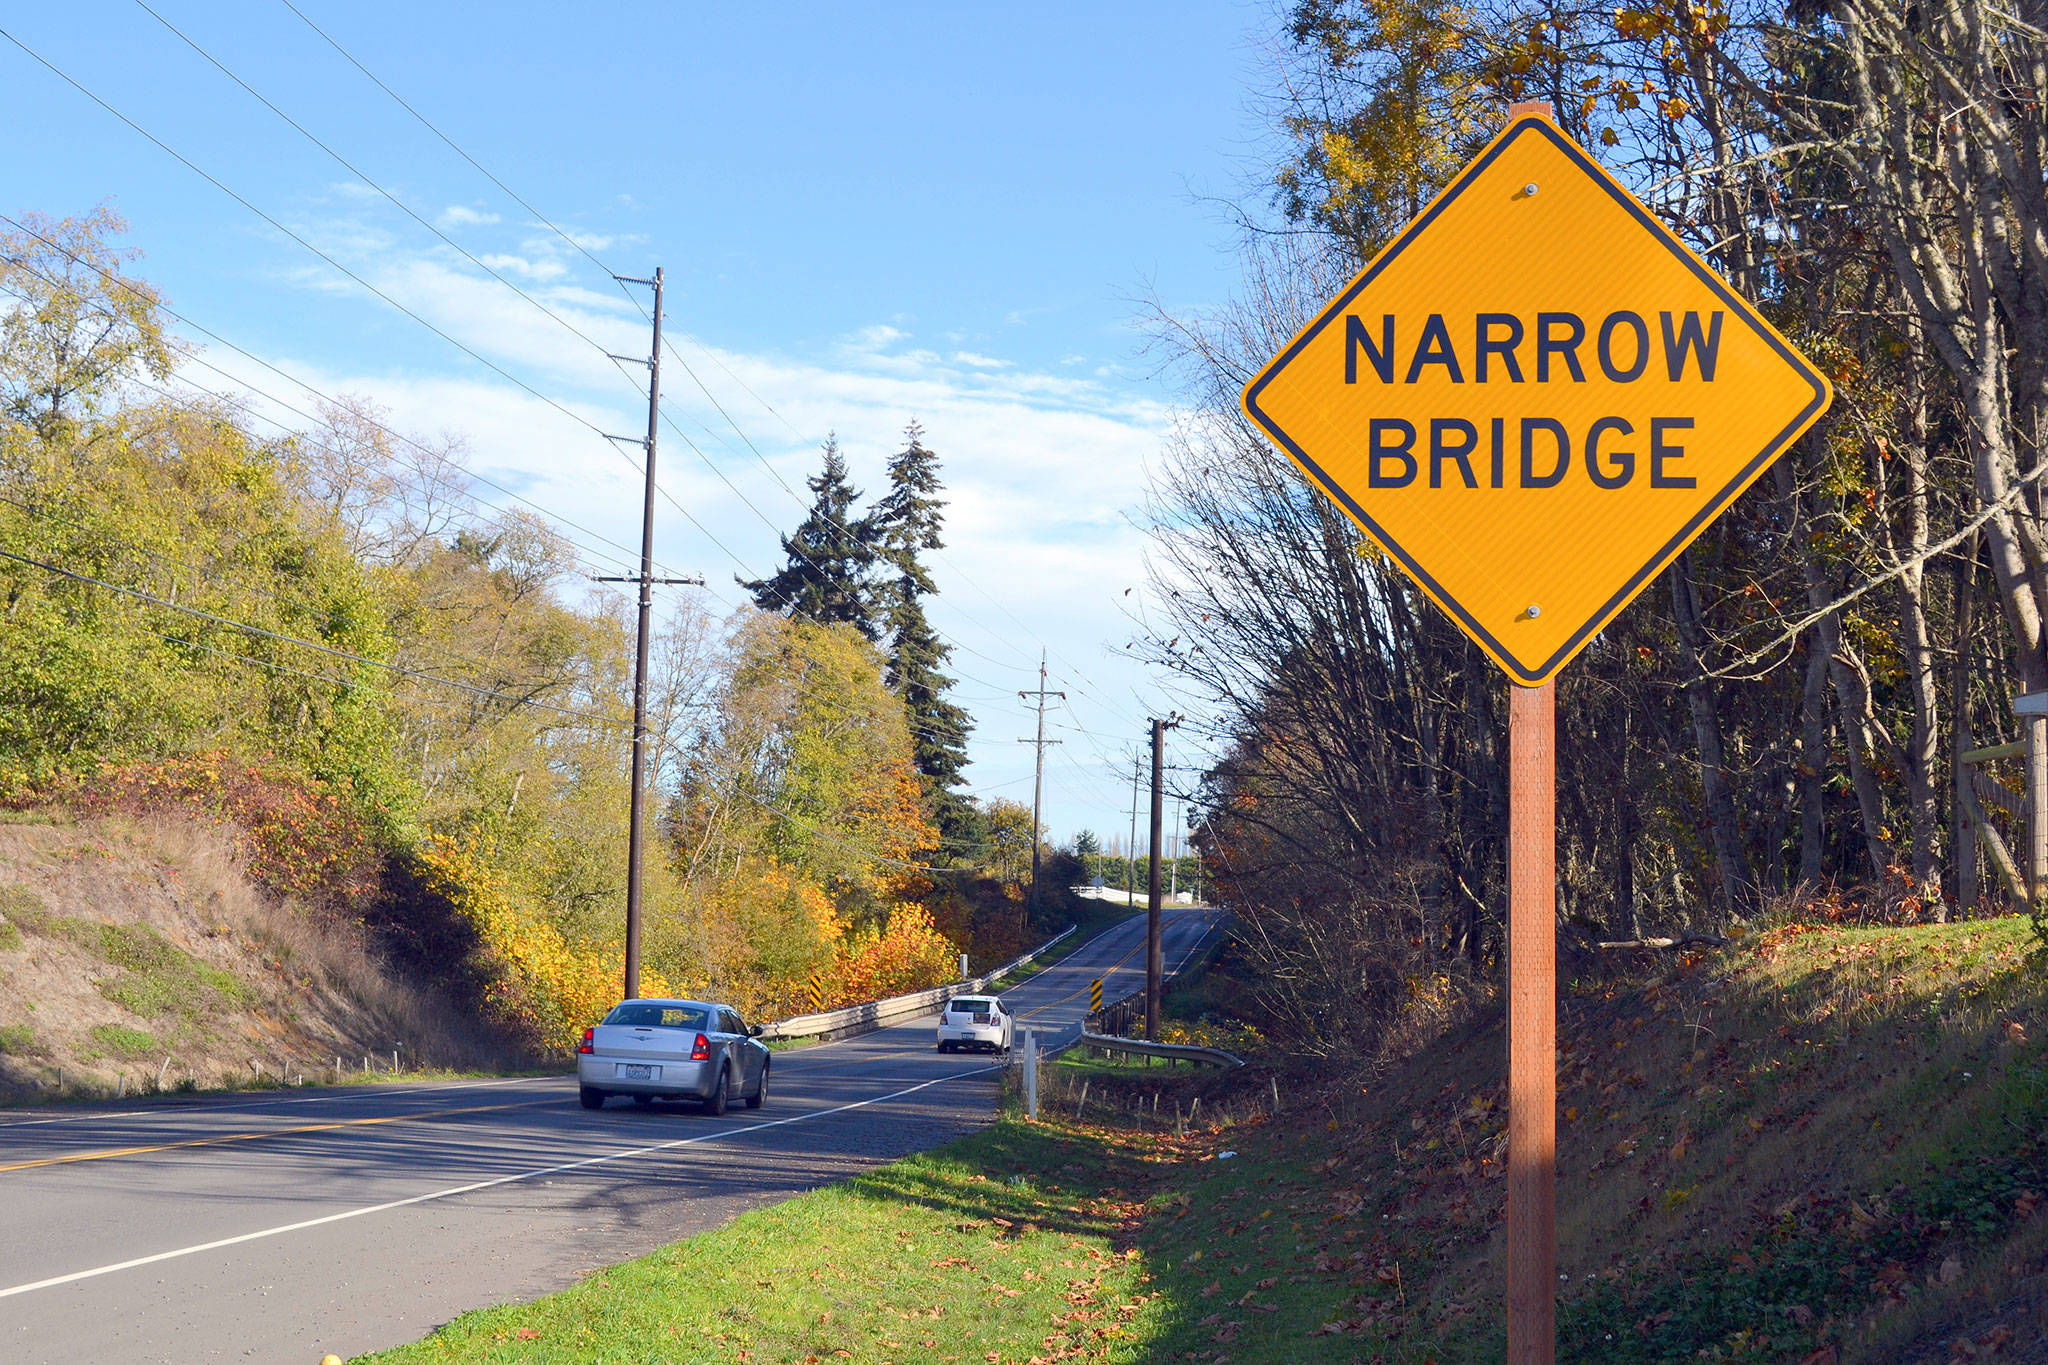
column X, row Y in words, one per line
column 844, row 532
column 396, row 435
column 247, row 408
column 467, row 350
column 400, row 204
column 516, row 198
column 192, row 166
column 840, row 528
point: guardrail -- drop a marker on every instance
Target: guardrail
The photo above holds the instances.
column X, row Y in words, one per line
column 1127, row 1011
column 1138, row 1047
column 854, row 1020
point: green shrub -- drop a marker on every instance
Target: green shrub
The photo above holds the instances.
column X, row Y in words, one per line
column 22, row 908
column 10, row 937
column 121, row 1041
column 19, row 1040
column 158, row 977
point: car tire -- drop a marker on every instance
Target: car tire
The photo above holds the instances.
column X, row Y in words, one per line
column 760, row 1095
column 715, row 1104
column 945, row 1047
column 590, row 1099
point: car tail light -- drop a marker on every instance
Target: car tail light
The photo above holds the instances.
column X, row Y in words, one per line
column 588, row 1034
column 701, row 1052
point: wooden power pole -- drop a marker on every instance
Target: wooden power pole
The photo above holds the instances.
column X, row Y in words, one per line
column 1155, row 958
column 1038, row 774
column 637, row 827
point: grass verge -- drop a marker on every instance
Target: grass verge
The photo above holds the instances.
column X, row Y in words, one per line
column 1826, row 1146
column 1100, row 1237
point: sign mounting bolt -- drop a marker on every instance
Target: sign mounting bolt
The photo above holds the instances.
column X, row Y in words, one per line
column 1529, row 190
column 1533, row 612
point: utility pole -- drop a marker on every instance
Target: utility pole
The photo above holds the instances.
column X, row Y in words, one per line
column 1155, row 958
column 646, row 580
column 1038, row 780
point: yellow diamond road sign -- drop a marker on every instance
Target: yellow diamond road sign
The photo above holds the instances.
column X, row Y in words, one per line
column 1535, row 397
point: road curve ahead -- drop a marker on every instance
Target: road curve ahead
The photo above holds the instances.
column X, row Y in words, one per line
column 284, row 1226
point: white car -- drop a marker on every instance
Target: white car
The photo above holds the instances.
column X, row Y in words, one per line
column 672, row 1049
column 976, row 1021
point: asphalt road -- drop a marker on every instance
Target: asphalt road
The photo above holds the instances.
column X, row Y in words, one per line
column 284, row 1226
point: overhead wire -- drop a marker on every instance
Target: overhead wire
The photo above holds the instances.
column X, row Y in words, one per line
column 840, row 528
column 627, row 556
column 512, row 194
column 914, row 726
column 334, row 264
column 509, row 377
column 400, row 204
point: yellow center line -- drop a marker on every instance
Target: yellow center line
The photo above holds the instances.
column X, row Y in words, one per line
column 111, row 1152
column 1107, row 973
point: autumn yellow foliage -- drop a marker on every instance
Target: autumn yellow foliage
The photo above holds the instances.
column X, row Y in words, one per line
column 535, row 981
column 907, row 954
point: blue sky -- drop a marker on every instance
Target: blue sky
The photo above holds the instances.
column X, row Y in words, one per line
column 865, row 214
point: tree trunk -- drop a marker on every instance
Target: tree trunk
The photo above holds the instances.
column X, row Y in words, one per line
column 1703, row 702
column 1922, row 790
column 1962, row 838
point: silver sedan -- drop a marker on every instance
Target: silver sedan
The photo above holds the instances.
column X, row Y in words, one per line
column 672, row 1049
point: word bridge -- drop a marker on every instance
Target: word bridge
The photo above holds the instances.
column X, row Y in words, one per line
column 1397, row 452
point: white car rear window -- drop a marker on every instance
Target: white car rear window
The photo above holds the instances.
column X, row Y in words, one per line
column 970, row 1006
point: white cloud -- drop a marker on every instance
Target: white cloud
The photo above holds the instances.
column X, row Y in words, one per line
column 461, row 215
column 520, row 265
column 1040, row 465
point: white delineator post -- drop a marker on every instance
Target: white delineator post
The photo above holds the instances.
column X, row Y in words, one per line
column 1030, row 1076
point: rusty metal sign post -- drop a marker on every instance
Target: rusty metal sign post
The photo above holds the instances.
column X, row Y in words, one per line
column 1532, row 401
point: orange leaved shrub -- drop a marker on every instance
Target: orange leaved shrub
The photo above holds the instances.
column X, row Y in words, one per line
column 909, row 954
column 296, row 834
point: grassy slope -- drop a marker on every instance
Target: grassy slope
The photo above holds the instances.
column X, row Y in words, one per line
column 137, row 949
column 1822, row 1146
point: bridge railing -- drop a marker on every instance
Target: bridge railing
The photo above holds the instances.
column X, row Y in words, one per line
column 878, row 1014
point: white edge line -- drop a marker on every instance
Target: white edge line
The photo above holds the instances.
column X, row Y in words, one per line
column 472, row 1188
column 329, row 1095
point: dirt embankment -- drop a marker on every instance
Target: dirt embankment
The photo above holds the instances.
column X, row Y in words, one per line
column 137, row 953
column 1823, row 1145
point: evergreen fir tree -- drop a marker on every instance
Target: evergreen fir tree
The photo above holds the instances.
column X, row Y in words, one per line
column 904, row 524
column 826, row 578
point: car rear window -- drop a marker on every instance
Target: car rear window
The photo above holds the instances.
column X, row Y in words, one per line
column 970, row 1007
column 647, row 1014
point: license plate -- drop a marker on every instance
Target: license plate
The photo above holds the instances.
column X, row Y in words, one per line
column 639, row 1073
